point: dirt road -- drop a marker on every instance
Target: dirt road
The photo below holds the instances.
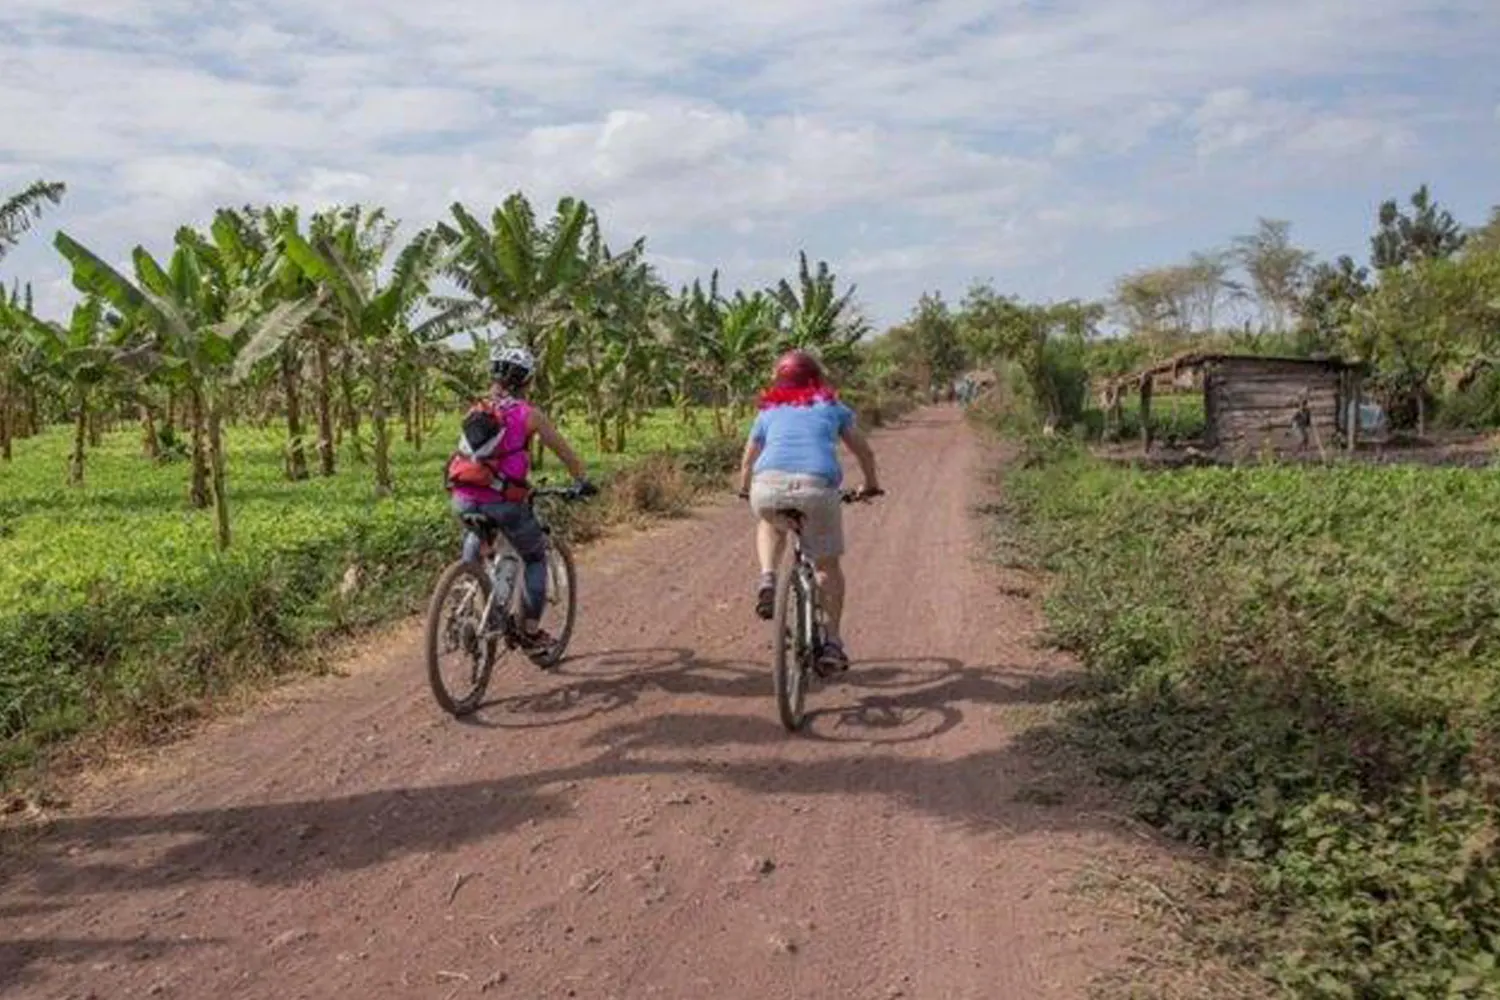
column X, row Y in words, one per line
column 635, row 825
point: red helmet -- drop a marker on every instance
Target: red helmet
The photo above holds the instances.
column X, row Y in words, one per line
column 796, row 369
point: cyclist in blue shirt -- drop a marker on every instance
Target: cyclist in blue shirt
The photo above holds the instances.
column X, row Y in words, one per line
column 791, row 461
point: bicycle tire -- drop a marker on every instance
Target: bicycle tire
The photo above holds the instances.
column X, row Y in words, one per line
column 789, row 666
column 558, row 548
column 468, row 704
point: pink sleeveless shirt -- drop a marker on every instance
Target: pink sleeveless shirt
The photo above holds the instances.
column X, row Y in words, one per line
column 514, row 461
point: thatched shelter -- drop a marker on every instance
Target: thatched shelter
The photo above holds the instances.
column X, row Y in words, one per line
column 1252, row 402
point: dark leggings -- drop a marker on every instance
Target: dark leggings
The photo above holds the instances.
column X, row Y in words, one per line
column 519, row 526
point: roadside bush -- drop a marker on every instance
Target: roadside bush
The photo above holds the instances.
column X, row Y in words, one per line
column 1304, row 673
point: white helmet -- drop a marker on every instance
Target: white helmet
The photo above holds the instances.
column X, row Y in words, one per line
column 511, row 364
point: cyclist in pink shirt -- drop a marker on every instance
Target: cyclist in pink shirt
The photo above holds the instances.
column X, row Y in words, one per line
column 489, row 475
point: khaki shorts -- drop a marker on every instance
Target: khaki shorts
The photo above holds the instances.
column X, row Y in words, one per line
column 818, row 500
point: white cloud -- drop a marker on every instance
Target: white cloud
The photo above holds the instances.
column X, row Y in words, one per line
column 1273, row 132
column 916, row 142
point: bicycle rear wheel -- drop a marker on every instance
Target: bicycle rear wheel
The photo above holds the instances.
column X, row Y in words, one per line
column 790, row 649
column 466, row 588
column 562, row 603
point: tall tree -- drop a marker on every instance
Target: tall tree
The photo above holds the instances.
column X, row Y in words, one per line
column 816, row 317
column 1157, row 305
column 1418, row 321
column 1328, row 302
column 524, row 275
column 1427, row 232
column 935, row 331
column 1276, row 269
column 200, row 314
column 79, row 357
column 1209, row 283
column 373, row 314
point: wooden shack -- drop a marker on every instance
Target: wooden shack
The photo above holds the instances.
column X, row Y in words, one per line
column 1253, row 403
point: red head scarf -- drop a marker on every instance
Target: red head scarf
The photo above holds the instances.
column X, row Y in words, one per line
column 798, row 381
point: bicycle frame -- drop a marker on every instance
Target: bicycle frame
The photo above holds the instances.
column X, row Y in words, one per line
column 499, row 547
column 810, row 616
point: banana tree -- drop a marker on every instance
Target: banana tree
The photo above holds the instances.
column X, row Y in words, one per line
column 816, row 317
column 79, row 356
column 19, row 211
column 736, row 352
column 17, row 362
column 374, row 315
column 200, row 318
column 524, row 274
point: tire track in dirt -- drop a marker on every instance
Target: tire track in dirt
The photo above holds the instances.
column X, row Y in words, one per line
column 636, row 824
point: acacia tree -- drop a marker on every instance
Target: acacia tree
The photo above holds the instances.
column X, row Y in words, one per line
column 1276, row 268
column 1156, row 304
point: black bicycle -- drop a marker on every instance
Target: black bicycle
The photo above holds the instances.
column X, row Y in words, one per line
column 797, row 646
column 484, row 623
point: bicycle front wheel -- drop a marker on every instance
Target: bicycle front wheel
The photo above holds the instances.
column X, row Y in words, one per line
column 459, row 657
column 561, row 612
column 791, row 650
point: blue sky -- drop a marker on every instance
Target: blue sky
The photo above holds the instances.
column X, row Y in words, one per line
column 1047, row 145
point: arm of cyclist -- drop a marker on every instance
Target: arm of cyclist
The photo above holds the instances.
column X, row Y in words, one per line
column 559, row 446
column 747, row 465
column 856, row 441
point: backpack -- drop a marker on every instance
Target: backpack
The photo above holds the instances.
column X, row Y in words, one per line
column 471, row 465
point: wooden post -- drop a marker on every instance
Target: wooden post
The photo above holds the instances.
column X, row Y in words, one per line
column 1146, row 382
column 1352, row 380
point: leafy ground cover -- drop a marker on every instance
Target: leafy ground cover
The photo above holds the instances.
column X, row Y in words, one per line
column 1302, row 672
column 117, row 611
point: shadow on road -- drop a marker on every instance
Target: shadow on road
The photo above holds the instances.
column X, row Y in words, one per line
column 881, row 706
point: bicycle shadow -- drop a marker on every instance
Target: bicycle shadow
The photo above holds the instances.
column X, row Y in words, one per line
column 876, row 701
column 288, row 843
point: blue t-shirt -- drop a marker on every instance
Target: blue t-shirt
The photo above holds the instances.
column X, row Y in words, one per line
column 802, row 439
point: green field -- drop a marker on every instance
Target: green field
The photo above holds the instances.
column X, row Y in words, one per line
column 117, row 608
column 1303, row 672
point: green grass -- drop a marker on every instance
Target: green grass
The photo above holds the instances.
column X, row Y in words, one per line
column 115, row 608
column 1303, row 668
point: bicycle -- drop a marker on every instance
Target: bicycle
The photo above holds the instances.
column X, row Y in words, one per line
column 487, row 625
column 797, row 648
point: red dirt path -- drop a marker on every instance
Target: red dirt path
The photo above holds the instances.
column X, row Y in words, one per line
column 636, row 824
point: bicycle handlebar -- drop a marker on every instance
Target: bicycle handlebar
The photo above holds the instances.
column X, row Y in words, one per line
column 562, row 492
column 845, row 496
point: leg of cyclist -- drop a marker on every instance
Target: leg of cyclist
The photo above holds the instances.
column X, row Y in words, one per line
column 770, row 544
column 831, row 590
column 823, row 540
column 769, row 492
column 520, row 527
